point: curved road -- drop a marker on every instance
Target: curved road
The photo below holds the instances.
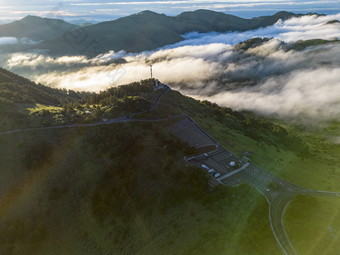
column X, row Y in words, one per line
column 276, row 211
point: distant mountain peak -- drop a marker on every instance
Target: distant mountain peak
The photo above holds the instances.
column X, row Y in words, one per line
column 35, row 28
column 31, row 18
column 283, row 13
column 201, row 12
column 204, row 10
column 147, row 12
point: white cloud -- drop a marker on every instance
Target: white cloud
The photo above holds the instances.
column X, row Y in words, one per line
column 8, row 40
column 309, row 94
column 292, row 30
column 169, row 66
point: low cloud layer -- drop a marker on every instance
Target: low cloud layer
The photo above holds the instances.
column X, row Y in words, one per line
column 303, row 95
column 14, row 40
column 8, row 40
column 267, row 79
column 292, row 30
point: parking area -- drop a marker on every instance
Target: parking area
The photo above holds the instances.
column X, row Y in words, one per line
column 221, row 160
column 217, row 162
column 189, row 132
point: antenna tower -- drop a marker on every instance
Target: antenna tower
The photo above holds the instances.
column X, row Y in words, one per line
column 151, row 70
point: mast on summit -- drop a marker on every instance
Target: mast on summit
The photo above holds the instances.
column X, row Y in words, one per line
column 151, row 70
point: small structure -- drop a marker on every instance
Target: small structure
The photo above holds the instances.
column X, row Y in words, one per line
column 158, row 85
column 204, row 166
column 246, row 156
column 217, row 175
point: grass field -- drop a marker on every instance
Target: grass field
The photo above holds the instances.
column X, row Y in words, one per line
column 313, row 225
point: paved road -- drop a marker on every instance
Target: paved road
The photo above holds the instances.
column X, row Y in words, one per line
column 111, row 121
column 276, row 211
column 234, row 172
column 166, row 90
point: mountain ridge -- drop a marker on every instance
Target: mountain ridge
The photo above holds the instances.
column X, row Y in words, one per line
column 35, row 28
column 148, row 30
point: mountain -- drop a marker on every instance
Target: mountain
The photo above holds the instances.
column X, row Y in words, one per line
column 119, row 186
column 18, row 94
column 296, row 46
column 125, row 188
column 139, row 32
column 205, row 21
column 15, row 89
column 35, row 28
column 148, row 30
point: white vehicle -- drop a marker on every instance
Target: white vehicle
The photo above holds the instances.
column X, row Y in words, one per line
column 217, row 175
column 205, row 154
column 205, row 167
column 211, row 171
column 232, row 163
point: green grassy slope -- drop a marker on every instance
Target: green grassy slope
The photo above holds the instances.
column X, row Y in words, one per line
column 297, row 154
column 20, row 96
column 16, row 89
column 125, row 188
column 313, row 224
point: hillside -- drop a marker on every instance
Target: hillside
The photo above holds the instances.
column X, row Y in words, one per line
column 296, row 46
column 35, row 28
column 16, row 89
column 102, row 183
column 18, row 94
column 124, row 188
column 206, row 21
column 148, row 30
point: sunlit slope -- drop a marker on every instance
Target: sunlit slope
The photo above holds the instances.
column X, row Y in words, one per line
column 313, row 224
column 16, row 89
column 18, row 95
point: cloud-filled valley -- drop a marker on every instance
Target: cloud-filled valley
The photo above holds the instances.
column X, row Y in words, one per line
column 269, row 78
column 303, row 28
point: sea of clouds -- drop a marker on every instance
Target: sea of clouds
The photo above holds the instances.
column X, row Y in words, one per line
column 268, row 79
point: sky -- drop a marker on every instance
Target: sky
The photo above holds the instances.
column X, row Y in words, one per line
column 109, row 10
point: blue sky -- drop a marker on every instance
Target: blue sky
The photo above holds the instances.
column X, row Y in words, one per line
column 108, row 10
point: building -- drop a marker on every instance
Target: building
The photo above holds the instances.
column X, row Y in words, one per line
column 158, row 85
